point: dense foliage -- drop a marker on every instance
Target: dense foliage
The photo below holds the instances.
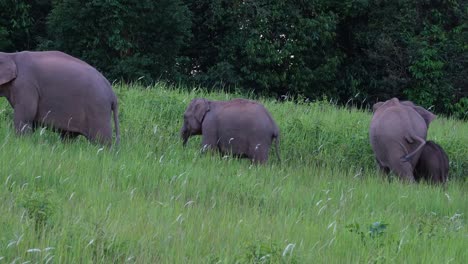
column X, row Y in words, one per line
column 358, row 50
column 126, row 39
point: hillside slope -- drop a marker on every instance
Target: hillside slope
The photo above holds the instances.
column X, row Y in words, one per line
column 151, row 201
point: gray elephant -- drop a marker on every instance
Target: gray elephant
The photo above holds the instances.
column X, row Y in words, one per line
column 56, row 90
column 240, row 127
column 433, row 164
column 398, row 132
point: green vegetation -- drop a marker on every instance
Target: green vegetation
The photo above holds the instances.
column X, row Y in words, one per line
column 358, row 50
column 151, row 201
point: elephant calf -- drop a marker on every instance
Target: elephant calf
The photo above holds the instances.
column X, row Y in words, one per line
column 240, row 127
column 433, row 164
column 54, row 89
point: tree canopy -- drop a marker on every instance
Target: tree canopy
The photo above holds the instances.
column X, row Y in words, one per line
column 349, row 50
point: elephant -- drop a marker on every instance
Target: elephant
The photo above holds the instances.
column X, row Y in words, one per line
column 55, row 90
column 240, row 127
column 398, row 132
column 433, row 164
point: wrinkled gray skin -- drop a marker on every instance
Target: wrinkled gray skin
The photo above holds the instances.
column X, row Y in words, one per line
column 433, row 164
column 56, row 90
column 240, row 127
column 398, row 132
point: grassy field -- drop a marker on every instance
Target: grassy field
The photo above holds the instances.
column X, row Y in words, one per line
column 151, row 201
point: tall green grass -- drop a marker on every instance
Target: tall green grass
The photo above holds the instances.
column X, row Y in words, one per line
column 152, row 201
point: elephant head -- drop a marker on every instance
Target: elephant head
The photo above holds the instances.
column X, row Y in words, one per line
column 8, row 70
column 193, row 118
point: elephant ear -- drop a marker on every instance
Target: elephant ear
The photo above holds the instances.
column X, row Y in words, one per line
column 201, row 106
column 425, row 114
column 7, row 69
column 376, row 106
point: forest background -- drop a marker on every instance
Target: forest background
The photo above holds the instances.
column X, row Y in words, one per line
column 348, row 51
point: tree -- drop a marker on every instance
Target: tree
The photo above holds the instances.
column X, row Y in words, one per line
column 126, row 39
column 273, row 47
column 22, row 24
column 408, row 49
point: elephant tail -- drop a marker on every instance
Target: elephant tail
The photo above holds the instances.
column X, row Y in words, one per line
column 115, row 109
column 276, row 139
column 409, row 156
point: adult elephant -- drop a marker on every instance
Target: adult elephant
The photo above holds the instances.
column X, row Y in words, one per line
column 398, row 131
column 240, row 127
column 56, row 90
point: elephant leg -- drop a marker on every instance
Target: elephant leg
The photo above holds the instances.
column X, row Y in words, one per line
column 100, row 135
column 24, row 118
column 385, row 170
column 403, row 169
column 259, row 153
column 104, row 140
column 68, row 136
column 35, row 125
column 260, row 159
column 210, row 141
